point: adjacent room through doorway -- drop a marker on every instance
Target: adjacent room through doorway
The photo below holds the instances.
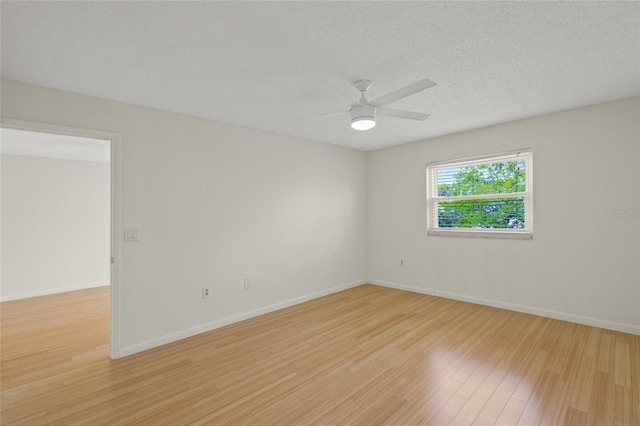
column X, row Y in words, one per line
column 56, row 229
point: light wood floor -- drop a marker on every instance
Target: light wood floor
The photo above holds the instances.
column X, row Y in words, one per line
column 369, row 355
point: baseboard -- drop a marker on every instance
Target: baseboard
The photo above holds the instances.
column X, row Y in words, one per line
column 172, row 337
column 52, row 291
column 579, row 319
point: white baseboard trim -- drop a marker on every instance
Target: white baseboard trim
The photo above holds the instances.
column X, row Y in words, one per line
column 579, row 319
column 172, row 337
column 51, row 291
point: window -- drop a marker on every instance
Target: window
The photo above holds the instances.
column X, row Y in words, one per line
column 489, row 196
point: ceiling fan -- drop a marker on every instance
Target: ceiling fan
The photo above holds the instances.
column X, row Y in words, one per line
column 363, row 112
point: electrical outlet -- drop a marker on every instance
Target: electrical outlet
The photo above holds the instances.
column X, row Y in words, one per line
column 401, row 262
column 205, row 293
column 131, row 235
column 247, row 283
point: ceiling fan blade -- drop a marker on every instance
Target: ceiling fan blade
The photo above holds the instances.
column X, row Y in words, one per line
column 329, row 114
column 390, row 112
column 404, row 92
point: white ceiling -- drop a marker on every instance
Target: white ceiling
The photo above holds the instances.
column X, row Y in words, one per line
column 259, row 64
column 49, row 145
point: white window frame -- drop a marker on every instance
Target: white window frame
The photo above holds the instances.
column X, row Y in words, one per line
column 525, row 155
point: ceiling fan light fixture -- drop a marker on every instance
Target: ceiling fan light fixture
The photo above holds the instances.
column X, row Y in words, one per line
column 363, row 124
column 363, row 117
column 363, row 113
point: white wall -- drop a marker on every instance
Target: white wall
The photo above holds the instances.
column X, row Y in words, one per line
column 55, row 225
column 582, row 265
column 216, row 203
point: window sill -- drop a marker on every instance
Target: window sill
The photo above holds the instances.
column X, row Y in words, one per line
column 470, row 233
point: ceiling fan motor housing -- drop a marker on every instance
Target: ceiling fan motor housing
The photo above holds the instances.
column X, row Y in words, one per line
column 363, row 117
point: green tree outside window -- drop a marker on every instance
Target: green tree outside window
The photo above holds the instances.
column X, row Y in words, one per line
column 487, row 213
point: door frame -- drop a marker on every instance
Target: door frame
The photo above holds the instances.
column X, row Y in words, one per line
column 116, row 230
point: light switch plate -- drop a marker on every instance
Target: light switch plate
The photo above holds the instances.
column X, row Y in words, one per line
column 131, row 235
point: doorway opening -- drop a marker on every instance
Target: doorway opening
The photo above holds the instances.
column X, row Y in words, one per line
column 57, row 234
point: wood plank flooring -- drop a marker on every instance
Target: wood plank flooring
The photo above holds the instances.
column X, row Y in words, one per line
column 368, row 355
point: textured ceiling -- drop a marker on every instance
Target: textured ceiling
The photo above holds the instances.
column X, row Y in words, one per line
column 262, row 64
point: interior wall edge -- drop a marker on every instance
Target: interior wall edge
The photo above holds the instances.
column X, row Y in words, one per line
column 525, row 309
column 203, row 328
